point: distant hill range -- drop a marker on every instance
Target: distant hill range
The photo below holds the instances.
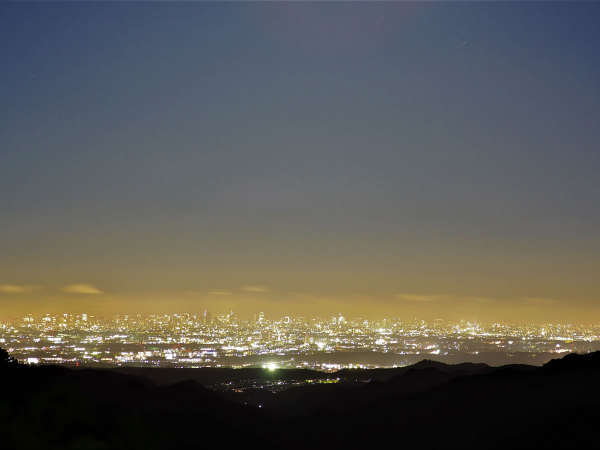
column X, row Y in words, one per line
column 429, row 405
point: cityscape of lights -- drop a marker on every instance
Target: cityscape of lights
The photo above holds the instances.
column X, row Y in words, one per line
column 224, row 340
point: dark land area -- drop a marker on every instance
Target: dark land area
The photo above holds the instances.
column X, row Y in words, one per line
column 429, row 405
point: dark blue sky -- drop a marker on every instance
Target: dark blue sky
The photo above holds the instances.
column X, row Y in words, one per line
column 339, row 151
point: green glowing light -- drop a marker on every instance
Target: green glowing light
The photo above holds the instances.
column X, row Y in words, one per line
column 271, row 367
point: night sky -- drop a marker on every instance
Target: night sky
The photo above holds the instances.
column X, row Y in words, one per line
column 406, row 159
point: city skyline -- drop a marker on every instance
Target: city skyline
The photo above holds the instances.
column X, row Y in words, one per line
column 326, row 344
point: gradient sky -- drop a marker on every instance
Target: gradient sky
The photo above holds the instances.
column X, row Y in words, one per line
column 411, row 159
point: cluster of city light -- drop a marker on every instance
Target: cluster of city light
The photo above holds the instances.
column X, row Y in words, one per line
column 201, row 340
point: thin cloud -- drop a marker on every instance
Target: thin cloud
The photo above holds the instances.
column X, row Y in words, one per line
column 15, row 288
column 219, row 292
column 421, row 298
column 417, row 298
column 539, row 301
column 255, row 288
column 481, row 299
column 82, row 288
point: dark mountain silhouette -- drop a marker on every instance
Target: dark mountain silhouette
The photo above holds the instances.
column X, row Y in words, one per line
column 429, row 405
column 6, row 360
column 213, row 375
column 575, row 361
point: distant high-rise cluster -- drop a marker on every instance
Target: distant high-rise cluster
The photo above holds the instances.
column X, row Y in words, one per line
column 331, row 343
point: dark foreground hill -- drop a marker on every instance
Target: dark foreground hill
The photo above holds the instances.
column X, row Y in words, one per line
column 427, row 406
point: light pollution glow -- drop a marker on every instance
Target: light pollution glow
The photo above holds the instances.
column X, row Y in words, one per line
column 424, row 160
